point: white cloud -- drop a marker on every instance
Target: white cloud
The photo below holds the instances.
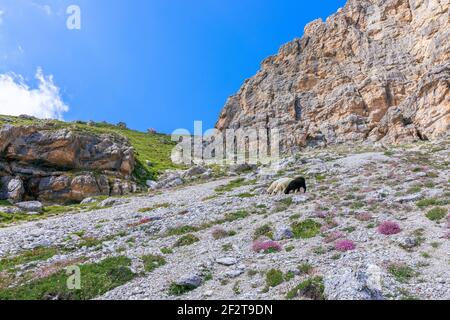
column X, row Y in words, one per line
column 1, row 16
column 17, row 98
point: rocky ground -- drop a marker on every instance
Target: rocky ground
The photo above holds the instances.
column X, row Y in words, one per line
column 373, row 225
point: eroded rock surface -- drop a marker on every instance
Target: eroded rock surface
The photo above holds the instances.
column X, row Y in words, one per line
column 374, row 71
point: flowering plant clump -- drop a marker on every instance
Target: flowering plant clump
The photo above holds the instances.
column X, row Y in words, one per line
column 334, row 236
column 389, row 228
column 266, row 246
column 345, row 245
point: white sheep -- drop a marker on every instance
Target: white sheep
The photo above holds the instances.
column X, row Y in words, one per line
column 279, row 186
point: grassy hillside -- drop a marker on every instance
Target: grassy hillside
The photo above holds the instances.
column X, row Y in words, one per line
column 152, row 148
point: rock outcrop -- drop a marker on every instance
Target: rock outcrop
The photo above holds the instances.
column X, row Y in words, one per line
column 377, row 70
column 62, row 165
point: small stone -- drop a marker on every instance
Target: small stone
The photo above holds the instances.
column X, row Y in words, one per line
column 234, row 273
column 227, row 261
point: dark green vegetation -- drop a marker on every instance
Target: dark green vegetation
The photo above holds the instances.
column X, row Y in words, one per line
column 178, row 290
column 274, row 278
column 153, row 147
column 437, row 214
column 152, row 262
column 186, row 240
column 313, row 289
column 432, row 202
column 96, row 279
column 402, row 273
column 306, row 229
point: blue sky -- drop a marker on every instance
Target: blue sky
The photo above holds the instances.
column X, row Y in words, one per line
column 150, row 63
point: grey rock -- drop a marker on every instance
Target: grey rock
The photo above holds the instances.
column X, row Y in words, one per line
column 408, row 242
column 227, row 261
column 194, row 171
column 190, row 280
column 30, row 206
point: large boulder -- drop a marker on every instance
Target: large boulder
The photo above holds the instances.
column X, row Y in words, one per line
column 30, row 206
column 66, row 149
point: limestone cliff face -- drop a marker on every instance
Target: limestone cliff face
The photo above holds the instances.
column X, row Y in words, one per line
column 377, row 70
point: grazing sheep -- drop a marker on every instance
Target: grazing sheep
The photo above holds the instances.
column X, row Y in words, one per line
column 279, row 186
column 296, row 185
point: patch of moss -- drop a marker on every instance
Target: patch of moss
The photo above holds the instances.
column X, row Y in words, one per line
column 437, row 214
column 274, row 278
column 152, row 262
column 402, row 273
column 306, row 229
column 432, row 202
column 178, row 290
column 186, row 240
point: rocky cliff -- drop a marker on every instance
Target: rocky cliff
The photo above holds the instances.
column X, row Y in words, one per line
column 62, row 164
column 377, row 70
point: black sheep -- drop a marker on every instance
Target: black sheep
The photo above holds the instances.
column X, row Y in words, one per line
column 296, row 185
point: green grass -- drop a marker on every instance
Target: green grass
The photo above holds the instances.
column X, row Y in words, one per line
column 166, row 251
column 313, row 289
column 96, row 279
column 186, row 240
column 156, row 148
column 305, row 268
column 152, row 262
column 178, row 290
column 437, row 214
column 38, row 254
column 182, row 230
column 274, row 278
column 233, row 216
column 432, row 202
column 5, row 203
column 306, row 229
column 402, row 273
